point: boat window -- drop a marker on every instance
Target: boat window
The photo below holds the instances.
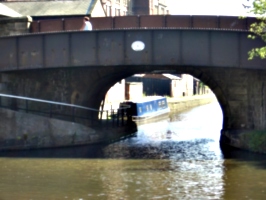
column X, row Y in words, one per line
column 147, row 107
column 140, row 110
column 150, row 107
column 162, row 103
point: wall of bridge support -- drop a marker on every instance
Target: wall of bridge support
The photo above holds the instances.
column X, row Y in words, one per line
column 240, row 92
column 20, row 131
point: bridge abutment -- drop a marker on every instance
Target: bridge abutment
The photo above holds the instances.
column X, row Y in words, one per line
column 20, row 131
column 242, row 97
column 247, row 99
column 240, row 92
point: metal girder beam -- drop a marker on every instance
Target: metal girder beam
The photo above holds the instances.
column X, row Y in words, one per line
column 212, row 48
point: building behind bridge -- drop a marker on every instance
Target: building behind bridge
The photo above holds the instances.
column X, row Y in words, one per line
column 169, row 85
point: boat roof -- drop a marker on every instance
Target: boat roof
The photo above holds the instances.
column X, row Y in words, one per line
column 146, row 99
column 160, row 76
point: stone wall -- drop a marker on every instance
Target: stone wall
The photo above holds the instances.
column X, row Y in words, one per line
column 14, row 26
column 19, row 131
column 184, row 103
column 251, row 140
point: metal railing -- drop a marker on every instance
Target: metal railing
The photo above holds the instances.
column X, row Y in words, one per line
column 67, row 112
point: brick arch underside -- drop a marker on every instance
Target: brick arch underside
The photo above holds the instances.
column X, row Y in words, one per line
column 96, row 94
column 88, row 87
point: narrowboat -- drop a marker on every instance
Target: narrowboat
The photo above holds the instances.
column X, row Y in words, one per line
column 147, row 109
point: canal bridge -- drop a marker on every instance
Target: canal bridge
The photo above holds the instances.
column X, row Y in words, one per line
column 78, row 67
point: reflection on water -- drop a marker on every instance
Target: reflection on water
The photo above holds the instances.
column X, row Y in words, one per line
column 180, row 159
column 115, row 179
column 191, row 135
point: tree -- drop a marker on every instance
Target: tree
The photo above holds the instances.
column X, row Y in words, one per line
column 258, row 28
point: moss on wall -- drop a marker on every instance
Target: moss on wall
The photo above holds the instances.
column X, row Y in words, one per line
column 254, row 140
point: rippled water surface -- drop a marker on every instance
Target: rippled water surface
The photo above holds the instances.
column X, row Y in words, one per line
column 177, row 159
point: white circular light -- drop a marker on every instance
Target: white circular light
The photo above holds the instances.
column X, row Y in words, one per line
column 138, row 46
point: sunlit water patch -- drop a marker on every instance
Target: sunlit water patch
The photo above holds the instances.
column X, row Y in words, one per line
column 190, row 135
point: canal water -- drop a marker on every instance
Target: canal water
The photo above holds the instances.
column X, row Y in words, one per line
column 176, row 159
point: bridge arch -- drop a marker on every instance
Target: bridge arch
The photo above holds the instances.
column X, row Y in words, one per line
column 100, row 88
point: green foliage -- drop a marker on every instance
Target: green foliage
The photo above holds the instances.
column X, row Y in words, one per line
column 259, row 7
column 255, row 140
column 258, row 28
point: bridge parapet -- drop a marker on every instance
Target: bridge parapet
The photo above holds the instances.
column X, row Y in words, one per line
column 185, row 47
column 145, row 21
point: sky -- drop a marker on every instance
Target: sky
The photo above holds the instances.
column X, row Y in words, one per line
column 210, row 7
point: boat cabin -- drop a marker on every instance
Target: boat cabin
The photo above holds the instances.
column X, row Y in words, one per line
column 146, row 107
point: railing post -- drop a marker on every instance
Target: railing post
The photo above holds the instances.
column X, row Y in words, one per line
column 39, row 26
column 63, row 24
column 14, row 104
column 101, row 118
column 122, row 117
column 92, row 118
column 73, row 114
column 113, row 117
column 107, row 119
column 27, row 106
column 50, row 112
column 117, row 119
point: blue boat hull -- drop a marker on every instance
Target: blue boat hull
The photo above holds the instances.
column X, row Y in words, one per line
column 147, row 110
